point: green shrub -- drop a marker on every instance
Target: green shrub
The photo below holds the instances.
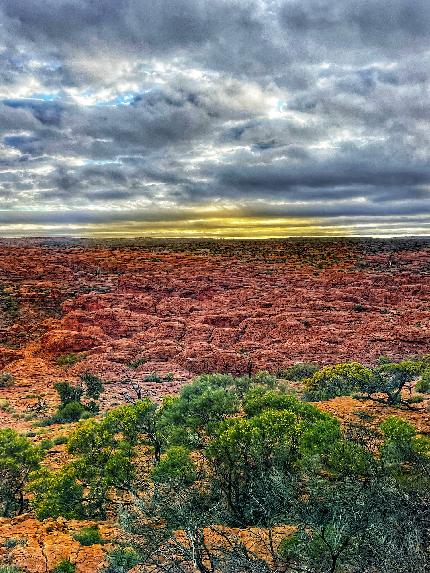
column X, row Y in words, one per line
column 338, row 380
column 12, row 542
column 415, row 399
column 65, row 566
column 153, row 377
column 359, row 308
column 6, row 380
column 5, row 406
column 87, row 415
column 68, row 393
column 59, row 440
column 68, row 359
column 71, row 408
column 46, row 444
column 390, row 379
column 70, row 412
column 56, row 493
column 423, row 385
column 121, row 560
column 10, row 569
column 363, row 415
column 93, row 385
column 92, row 407
column 299, row 371
column 264, row 377
column 136, row 363
column 176, row 466
column 381, row 360
column 8, row 303
column 88, row 536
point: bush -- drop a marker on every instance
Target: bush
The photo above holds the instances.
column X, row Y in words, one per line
column 338, row 380
column 46, row 445
column 12, row 542
column 71, row 408
column 59, row 440
column 68, row 393
column 93, row 385
column 153, row 377
column 5, row 406
column 363, row 415
column 70, row 412
column 65, row 566
column 299, row 371
column 6, row 380
column 121, row 560
column 414, row 400
column 381, row 360
column 10, row 569
column 423, row 385
column 88, row 536
column 390, row 379
column 385, row 383
column 265, row 378
column 8, row 303
column 136, row 363
column 68, row 359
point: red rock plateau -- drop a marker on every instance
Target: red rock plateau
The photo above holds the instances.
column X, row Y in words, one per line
column 186, row 307
column 129, row 309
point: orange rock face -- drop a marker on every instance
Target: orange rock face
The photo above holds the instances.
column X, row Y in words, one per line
column 40, row 546
column 190, row 307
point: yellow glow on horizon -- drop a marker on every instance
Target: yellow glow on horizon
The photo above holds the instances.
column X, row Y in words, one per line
column 210, row 226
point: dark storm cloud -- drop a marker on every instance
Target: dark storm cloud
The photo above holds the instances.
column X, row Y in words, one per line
column 131, row 111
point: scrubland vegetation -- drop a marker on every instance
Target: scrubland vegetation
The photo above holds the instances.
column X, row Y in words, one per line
column 240, row 474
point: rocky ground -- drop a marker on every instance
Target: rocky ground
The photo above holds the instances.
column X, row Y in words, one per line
column 167, row 310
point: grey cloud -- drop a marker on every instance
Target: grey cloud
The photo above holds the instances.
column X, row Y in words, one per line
column 46, row 112
column 362, row 26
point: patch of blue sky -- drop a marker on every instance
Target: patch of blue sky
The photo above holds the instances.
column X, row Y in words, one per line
column 46, row 96
column 126, row 98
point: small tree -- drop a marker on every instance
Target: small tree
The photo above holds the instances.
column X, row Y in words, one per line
column 68, row 393
column 93, row 385
column 18, row 457
column 338, row 380
column 390, row 380
column 71, row 408
column 103, row 465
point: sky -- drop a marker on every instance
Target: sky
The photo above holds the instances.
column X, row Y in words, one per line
column 219, row 118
